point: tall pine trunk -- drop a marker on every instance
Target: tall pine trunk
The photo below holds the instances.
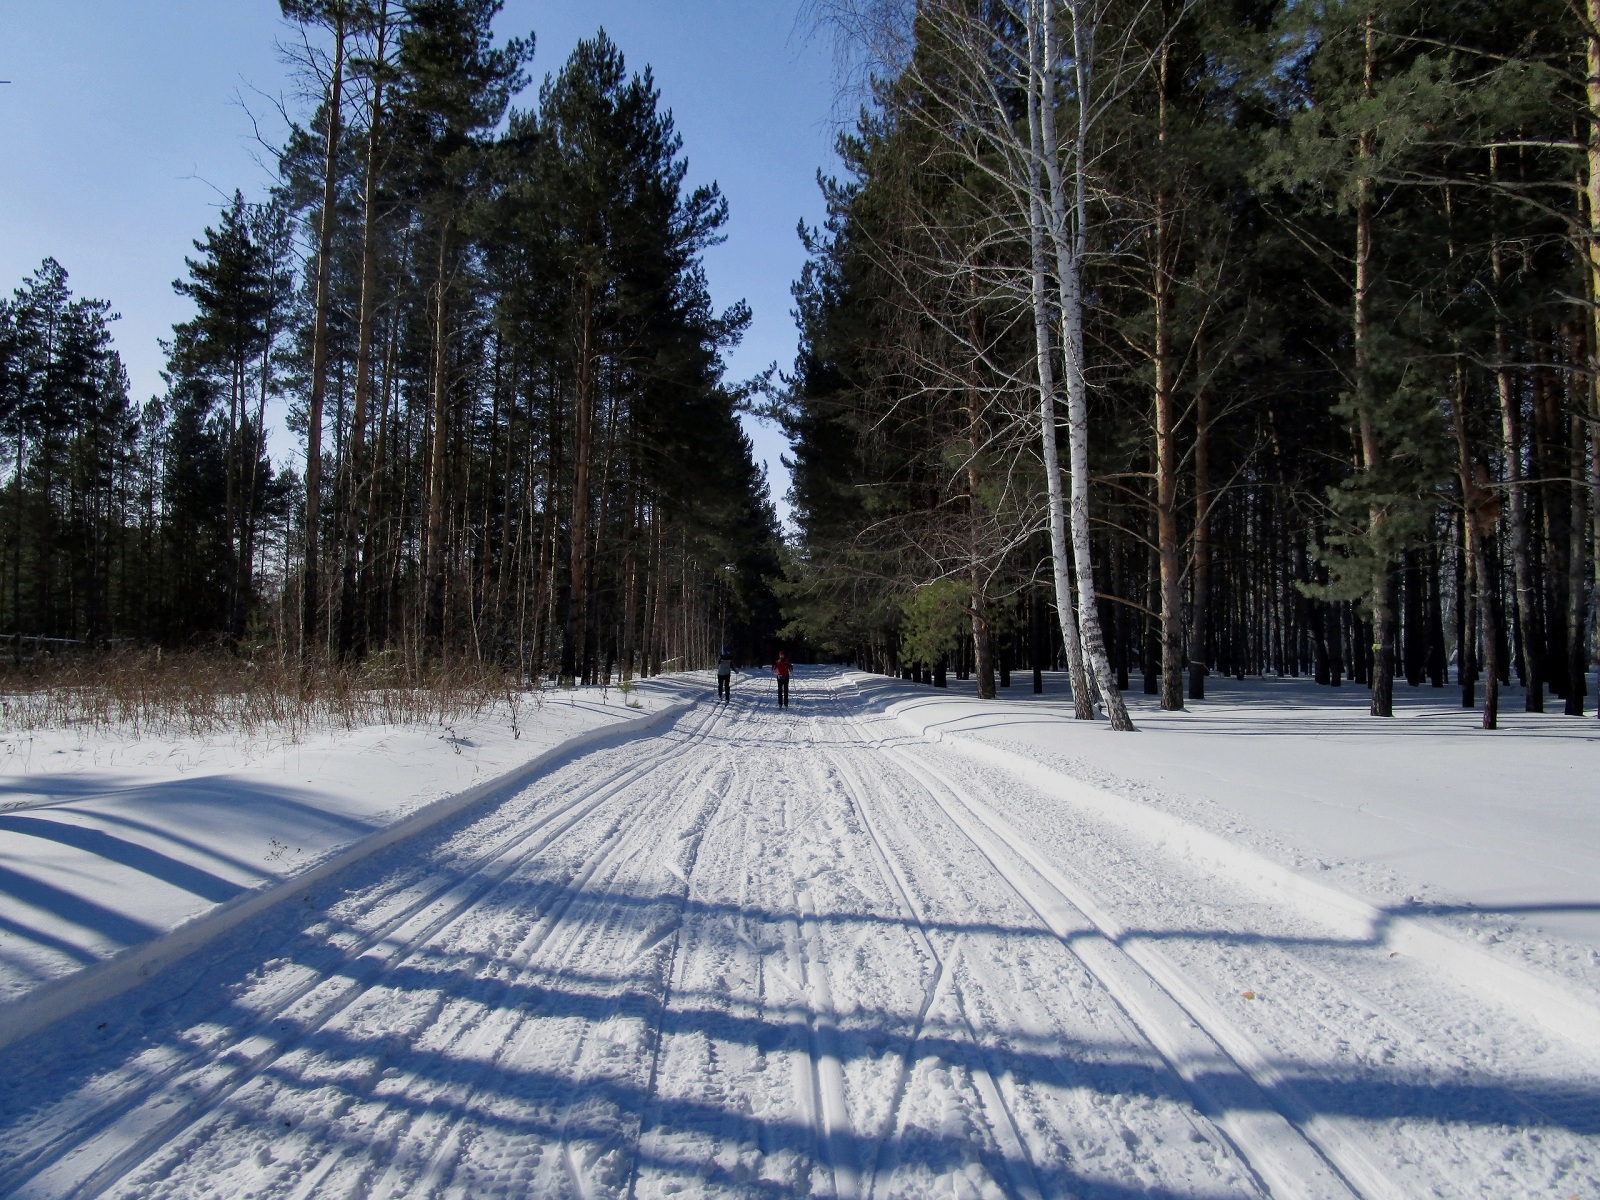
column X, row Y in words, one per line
column 1591, row 193
column 1577, row 611
column 311, row 585
column 434, row 548
column 574, row 656
column 1480, row 513
column 630, row 580
column 1199, row 629
column 351, row 631
column 1166, row 414
column 1380, row 595
column 1528, row 616
column 245, row 587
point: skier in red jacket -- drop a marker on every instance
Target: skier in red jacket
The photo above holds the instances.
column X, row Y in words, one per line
column 782, row 670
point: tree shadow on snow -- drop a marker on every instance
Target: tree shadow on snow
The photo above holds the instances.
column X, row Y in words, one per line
column 188, row 836
column 614, row 1105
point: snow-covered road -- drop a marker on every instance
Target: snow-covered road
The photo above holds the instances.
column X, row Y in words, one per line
column 793, row 953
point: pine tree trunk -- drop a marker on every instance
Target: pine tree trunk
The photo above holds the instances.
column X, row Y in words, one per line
column 1382, row 679
column 311, row 585
column 247, row 525
column 1480, row 513
column 1554, row 506
column 1591, row 193
column 1166, row 425
column 1437, row 664
column 1466, row 616
column 1577, row 614
column 374, row 543
column 1200, row 602
column 575, row 656
column 1517, row 514
column 630, row 580
column 434, row 550
column 230, row 494
column 1581, row 654
column 351, row 639
column 658, row 610
column 1490, row 636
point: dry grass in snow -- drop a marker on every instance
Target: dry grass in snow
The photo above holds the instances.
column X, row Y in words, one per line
column 151, row 693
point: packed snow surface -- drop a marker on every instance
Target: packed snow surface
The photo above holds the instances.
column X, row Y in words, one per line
column 765, row 953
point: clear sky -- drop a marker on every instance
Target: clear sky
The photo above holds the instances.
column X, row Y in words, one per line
column 127, row 122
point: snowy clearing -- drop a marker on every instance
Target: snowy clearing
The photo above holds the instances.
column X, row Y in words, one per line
column 764, row 953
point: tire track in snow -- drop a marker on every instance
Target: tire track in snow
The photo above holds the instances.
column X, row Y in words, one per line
column 101, row 1146
column 547, row 923
column 1075, row 1114
column 641, row 837
column 1083, row 1125
column 827, row 1076
column 828, row 1112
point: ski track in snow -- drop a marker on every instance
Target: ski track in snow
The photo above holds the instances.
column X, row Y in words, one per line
column 799, row 953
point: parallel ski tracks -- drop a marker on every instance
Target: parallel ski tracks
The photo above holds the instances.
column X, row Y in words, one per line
column 111, row 1141
column 1293, row 1153
column 446, row 1115
column 1019, row 1166
column 816, row 1101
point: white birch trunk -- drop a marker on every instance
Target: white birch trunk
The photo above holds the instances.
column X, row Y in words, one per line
column 1068, row 238
column 1082, row 701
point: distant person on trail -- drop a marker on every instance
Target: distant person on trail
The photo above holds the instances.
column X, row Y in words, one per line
column 782, row 669
column 725, row 675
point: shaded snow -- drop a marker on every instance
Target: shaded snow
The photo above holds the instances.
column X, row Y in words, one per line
column 109, row 840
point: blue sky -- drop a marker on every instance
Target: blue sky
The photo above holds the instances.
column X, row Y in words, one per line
column 128, row 121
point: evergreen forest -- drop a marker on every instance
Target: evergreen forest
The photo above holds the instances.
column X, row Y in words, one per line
column 493, row 332
column 1159, row 340
column 1145, row 339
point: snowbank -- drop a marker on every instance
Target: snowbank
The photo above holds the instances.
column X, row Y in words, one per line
column 120, row 855
column 1477, row 851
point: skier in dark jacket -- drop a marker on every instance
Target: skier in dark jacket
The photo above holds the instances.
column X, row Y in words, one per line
column 725, row 675
column 782, row 670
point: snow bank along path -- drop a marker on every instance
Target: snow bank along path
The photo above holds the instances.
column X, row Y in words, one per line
column 1569, row 1011
column 119, row 856
column 795, row 953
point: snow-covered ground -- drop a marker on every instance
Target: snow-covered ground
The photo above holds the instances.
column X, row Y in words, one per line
column 1492, row 836
column 812, row 952
column 109, row 842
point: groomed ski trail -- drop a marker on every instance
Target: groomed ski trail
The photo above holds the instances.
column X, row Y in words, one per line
column 772, row 953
